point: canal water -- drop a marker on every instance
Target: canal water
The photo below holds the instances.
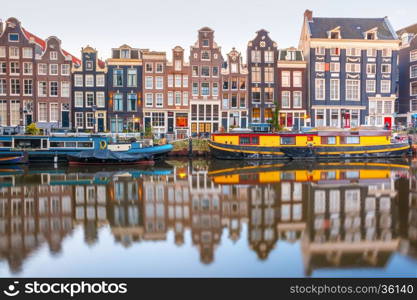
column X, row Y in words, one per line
column 202, row 218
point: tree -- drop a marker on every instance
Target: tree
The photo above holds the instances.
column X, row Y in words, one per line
column 275, row 124
column 32, row 129
column 148, row 132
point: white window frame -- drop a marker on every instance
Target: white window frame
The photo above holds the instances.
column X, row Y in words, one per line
column 324, row 89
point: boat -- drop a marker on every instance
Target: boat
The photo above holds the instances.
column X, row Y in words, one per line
column 13, row 158
column 108, row 157
column 314, row 144
column 57, row 147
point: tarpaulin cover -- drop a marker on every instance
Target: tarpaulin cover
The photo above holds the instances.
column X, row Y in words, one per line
column 106, row 154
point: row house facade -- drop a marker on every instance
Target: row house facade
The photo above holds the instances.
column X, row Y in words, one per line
column 124, row 86
column 154, row 91
column 352, row 72
column 407, row 93
column 234, row 108
column 292, row 87
column 262, row 55
column 205, row 61
column 89, row 93
column 178, row 94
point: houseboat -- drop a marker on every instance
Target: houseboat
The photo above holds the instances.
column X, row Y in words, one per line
column 314, row 144
column 57, row 148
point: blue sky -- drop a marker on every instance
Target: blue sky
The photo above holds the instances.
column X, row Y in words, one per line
column 162, row 24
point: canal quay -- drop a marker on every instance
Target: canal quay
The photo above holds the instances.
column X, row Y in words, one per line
column 210, row 218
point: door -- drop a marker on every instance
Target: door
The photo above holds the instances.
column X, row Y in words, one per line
column 28, row 120
column 387, row 122
column 346, row 120
column 170, row 125
column 243, row 123
column 100, row 124
column 65, row 119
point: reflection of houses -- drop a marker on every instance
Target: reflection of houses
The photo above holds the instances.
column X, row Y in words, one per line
column 124, row 209
column 206, row 216
column 352, row 220
column 31, row 215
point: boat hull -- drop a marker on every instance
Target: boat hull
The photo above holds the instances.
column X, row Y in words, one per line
column 10, row 159
column 237, row 152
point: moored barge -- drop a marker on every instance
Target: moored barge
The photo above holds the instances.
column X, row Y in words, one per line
column 315, row 144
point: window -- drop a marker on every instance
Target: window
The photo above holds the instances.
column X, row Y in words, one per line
column 159, row 68
column 286, row 99
column 205, row 71
column 185, row 98
column 242, row 100
column 13, row 52
column 89, row 99
column 297, row 99
column 371, row 35
column 118, row 102
column 53, row 69
column 178, row 80
column 388, row 107
column 413, row 88
column 185, row 81
column 385, row 86
column 242, row 82
column 334, row 51
column 149, row 100
column 14, row 86
column 285, row 79
column 320, row 89
column 79, row 99
column 65, row 89
column 353, row 52
column 3, row 113
column 3, row 67
column 78, row 80
column 177, row 65
column 89, row 80
column 158, row 119
column 233, row 68
column 256, row 74
column 149, row 82
column 320, row 66
column 14, row 68
column 100, row 99
column 248, row 140
column 27, row 87
column 349, row 139
column 297, row 79
column 42, row 89
column 256, row 56
column 215, row 91
column 89, row 121
column 256, row 94
column 170, row 98
column 320, row 51
column 43, row 112
column 79, row 120
column 269, row 94
column 413, row 105
column 53, row 89
column 225, row 101
column 195, row 89
column 371, row 68
column 159, row 99
column 2, row 51
column 53, row 55
column 328, row 140
column 352, row 90
column 195, row 70
column 65, row 69
column 53, row 111
column 386, row 68
column 27, row 52
column 269, row 56
column 3, row 87
column 413, row 55
column 170, row 80
column 353, row 68
column 205, row 55
column 132, row 99
column 320, row 120
column 205, row 89
column 370, row 86
column 269, row 75
column 177, row 98
column 205, row 43
column 215, row 71
column 287, row 140
column 334, row 117
column 148, row 67
column 413, row 71
column 89, row 65
column 334, row 89
column 132, row 77
column 386, row 52
column 117, row 77
column 42, row 69
column 100, row 80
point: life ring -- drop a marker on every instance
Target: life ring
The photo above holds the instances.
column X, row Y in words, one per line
column 103, row 145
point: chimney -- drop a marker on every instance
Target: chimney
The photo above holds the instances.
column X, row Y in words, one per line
column 308, row 14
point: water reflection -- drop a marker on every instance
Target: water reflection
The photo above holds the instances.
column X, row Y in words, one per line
column 342, row 215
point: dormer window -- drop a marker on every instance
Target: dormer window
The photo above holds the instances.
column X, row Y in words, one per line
column 125, row 53
column 335, row 35
column 13, row 37
column 370, row 36
column 290, row 55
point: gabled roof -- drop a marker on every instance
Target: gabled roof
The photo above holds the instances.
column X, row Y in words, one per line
column 42, row 44
column 283, row 54
column 351, row 28
column 408, row 29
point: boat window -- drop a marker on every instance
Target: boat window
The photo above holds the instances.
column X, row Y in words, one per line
column 247, row 140
column 84, row 144
column 44, row 143
column 255, row 140
column 350, row 140
column 56, row 144
column 70, row 144
column 287, row 140
column 5, row 144
column 329, row 140
column 27, row 143
column 287, row 176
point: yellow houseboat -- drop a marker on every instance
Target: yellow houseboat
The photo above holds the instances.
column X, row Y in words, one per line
column 316, row 144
